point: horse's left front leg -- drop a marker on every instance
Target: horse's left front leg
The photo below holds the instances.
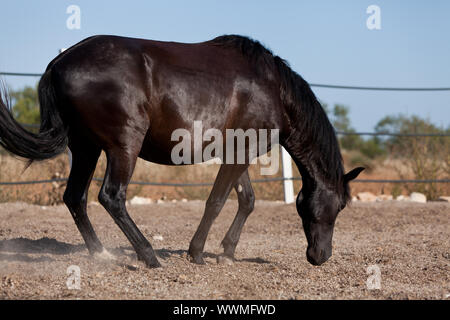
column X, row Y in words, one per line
column 226, row 179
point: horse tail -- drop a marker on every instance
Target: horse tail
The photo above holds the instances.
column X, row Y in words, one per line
column 52, row 137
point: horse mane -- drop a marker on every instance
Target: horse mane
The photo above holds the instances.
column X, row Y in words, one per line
column 312, row 126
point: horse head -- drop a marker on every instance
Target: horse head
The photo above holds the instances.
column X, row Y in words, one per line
column 318, row 207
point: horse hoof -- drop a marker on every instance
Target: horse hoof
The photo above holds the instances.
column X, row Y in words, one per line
column 105, row 255
column 225, row 260
column 197, row 260
column 153, row 264
column 150, row 262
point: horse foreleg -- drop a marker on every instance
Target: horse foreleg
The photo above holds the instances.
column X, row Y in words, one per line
column 226, row 178
column 112, row 196
column 246, row 200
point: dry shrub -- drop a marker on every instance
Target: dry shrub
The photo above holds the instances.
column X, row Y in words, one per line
column 12, row 170
column 429, row 159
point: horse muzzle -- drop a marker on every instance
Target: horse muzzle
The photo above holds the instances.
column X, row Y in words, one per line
column 317, row 256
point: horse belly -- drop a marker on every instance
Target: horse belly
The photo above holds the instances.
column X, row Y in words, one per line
column 155, row 153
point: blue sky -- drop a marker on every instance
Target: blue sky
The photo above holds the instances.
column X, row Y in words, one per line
column 324, row 41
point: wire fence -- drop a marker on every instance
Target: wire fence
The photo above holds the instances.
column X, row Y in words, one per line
column 332, row 86
column 275, row 179
column 208, row 184
column 390, row 134
column 319, row 85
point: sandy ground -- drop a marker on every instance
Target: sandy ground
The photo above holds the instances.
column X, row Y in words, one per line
column 409, row 242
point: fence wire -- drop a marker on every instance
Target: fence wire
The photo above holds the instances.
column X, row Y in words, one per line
column 344, row 133
column 208, row 184
column 276, row 179
column 318, row 85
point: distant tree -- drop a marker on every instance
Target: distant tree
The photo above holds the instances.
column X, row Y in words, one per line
column 26, row 105
column 341, row 122
column 412, row 124
column 340, row 119
column 427, row 157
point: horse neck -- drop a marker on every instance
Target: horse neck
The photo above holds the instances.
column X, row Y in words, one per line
column 310, row 139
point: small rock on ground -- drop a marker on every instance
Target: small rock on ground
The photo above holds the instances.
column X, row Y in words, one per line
column 418, row 197
column 366, row 197
column 140, row 201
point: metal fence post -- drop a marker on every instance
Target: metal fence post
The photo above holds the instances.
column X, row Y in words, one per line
column 69, row 154
column 288, row 184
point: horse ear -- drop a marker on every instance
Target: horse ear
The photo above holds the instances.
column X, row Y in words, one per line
column 353, row 174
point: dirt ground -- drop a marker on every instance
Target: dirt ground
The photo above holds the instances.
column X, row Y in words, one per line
column 409, row 242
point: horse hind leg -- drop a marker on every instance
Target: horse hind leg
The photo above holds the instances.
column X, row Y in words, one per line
column 226, row 179
column 75, row 196
column 120, row 166
column 246, row 200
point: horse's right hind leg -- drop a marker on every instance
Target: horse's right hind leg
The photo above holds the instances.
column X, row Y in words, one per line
column 84, row 160
column 112, row 196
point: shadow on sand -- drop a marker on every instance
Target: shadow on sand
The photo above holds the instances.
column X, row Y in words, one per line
column 17, row 249
column 166, row 253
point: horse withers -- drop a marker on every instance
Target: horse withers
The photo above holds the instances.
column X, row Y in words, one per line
column 126, row 97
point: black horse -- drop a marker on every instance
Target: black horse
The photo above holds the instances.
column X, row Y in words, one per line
column 126, row 96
